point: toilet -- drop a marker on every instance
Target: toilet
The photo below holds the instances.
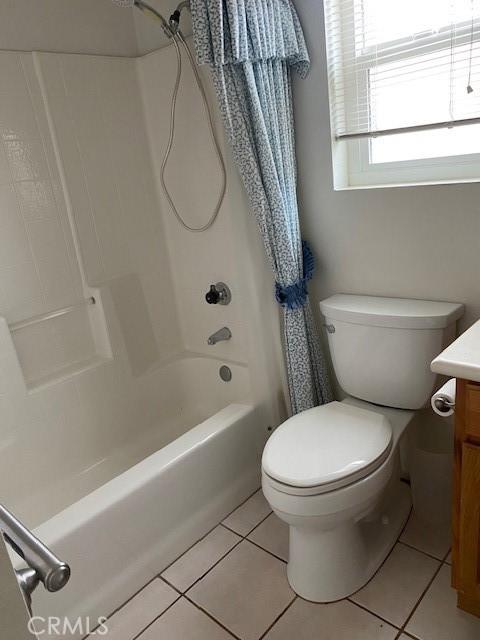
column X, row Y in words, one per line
column 333, row 473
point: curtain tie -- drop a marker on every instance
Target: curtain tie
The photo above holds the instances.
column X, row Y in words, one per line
column 294, row 296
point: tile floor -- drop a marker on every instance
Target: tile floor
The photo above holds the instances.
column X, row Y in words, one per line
column 232, row 584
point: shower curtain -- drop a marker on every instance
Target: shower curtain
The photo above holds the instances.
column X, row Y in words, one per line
column 251, row 47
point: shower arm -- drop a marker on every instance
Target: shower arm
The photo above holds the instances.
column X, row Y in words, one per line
column 174, row 20
column 43, row 564
column 147, row 9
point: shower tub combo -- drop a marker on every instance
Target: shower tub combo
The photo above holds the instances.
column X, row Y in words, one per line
column 123, row 517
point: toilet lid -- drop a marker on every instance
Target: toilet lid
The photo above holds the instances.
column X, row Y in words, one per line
column 327, row 444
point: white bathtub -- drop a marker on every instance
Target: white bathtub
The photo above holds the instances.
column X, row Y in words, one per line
column 126, row 531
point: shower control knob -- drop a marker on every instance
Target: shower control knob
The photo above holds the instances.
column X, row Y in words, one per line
column 218, row 294
column 212, row 296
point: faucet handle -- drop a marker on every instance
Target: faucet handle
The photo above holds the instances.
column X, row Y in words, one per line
column 212, row 296
column 218, row 294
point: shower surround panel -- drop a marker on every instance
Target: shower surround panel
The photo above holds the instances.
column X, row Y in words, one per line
column 80, row 213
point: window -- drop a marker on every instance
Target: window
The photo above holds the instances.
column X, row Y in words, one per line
column 404, row 80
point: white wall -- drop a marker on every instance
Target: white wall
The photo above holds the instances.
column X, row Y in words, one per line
column 72, row 26
column 420, row 242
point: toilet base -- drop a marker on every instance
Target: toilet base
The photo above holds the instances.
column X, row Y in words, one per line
column 328, row 565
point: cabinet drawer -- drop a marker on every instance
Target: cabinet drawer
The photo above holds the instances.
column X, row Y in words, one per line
column 472, row 414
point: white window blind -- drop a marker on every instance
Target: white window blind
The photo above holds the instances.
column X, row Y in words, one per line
column 402, row 65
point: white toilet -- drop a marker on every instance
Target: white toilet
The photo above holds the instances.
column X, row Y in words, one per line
column 333, row 472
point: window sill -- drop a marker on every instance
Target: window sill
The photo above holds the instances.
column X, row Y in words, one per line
column 412, row 183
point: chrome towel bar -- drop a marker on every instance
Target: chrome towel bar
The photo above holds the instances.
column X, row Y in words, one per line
column 44, row 566
column 21, row 324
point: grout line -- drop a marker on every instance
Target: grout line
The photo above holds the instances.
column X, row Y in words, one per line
column 209, row 532
column 207, row 613
column 110, row 615
column 206, row 572
column 160, row 577
column 376, row 572
column 408, row 635
column 441, row 564
column 406, row 523
column 156, row 618
column 231, row 530
column 425, row 553
column 444, row 560
column 170, row 585
column 437, row 571
column 245, row 535
column 187, row 550
column 259, row 546
column 270, row 553
column 245, row 538
column 376, row 615
column 258, row 524
column 242, row 503
column 295, row 597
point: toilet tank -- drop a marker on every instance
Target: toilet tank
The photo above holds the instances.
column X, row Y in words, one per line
column 381, row 348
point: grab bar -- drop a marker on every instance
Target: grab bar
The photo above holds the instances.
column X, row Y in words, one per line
column 44, row 565
column 21, row 324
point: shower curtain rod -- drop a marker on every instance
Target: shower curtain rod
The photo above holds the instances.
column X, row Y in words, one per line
column 21, row 324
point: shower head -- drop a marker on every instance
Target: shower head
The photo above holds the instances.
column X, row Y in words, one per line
column 174, row 21
column 147, row 9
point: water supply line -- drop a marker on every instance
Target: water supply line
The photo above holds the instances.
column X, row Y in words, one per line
column 178, row 36
column 173, row 32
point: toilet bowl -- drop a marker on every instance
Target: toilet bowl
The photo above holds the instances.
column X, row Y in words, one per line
column 333, row 473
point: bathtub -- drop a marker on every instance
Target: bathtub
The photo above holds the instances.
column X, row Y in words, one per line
column 121, row 534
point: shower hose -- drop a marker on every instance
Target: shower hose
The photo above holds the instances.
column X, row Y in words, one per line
column 179, row 37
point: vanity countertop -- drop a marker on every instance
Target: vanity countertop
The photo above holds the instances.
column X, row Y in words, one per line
column 462, row 358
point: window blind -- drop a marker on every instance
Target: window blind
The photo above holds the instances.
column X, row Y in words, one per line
column 402, row 65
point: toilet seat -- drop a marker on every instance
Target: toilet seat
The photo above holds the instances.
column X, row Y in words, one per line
column 326, row 448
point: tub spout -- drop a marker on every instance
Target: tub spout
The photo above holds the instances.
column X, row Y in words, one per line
column 220, row 335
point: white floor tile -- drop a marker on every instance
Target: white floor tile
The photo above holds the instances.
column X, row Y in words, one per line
column 435, row 540
column 396, row 588
column 272, row 535
column 246, row 591
column 200, row 558
column 139, row 612
column 248, row 515
column 184, row 621
column 338, row 621
column 437, row 616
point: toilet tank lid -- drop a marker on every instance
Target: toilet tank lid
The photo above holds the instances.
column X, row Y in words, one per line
column 400, row 313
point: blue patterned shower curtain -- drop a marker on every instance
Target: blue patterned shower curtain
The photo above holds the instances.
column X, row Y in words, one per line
column 251, row 47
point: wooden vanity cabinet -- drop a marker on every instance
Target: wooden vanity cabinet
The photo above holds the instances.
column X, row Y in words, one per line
column 466, row 501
